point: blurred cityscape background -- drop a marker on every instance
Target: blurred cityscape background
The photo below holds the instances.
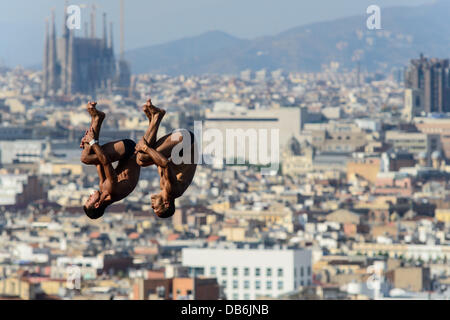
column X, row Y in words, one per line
column 359, row 208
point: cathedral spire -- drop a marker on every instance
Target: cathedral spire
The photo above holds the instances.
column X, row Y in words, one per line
column 65, row 53
column 105, row 32
column 71, row 74
column 65, row 29
column 111, row 37
column 93, row 23
column 52, row 56
column 122, row 30
column 46, row 49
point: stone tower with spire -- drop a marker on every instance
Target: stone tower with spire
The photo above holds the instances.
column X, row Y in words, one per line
column 45, row 78
column 51, row 68
column 78, row 65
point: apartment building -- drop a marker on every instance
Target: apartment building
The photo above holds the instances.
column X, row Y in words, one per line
column 251, row 273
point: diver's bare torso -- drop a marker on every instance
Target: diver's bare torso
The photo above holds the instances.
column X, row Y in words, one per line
column 128, row 172
column 184, row 174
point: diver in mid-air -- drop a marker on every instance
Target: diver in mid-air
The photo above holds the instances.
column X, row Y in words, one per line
column 115, row 184
column 175, row 176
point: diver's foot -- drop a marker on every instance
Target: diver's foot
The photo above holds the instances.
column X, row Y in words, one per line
column 147, row 111
column 154, row 110
column 95, row 114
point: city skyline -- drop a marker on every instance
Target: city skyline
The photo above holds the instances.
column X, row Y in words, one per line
column 358, row 208
column 313, row 164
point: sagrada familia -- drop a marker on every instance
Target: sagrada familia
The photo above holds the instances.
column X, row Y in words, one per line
column 82, row 65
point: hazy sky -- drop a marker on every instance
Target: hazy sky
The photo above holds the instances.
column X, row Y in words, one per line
column 151, row 22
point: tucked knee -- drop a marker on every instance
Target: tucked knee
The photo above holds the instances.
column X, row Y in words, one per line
column 84, row 160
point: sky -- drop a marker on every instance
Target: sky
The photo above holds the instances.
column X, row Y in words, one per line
column 148, row 22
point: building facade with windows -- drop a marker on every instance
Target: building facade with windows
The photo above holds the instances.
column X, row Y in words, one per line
column 251, row 273
column 430, row 79
column 248, row 128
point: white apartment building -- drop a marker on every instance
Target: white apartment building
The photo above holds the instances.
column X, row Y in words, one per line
column 19, row 189
column 25, row 151
column 253, row 128
column 414, row 142
column 407, row 251
column 246, row 274
column 10, row 186
column 25, row 252
column 93, row 262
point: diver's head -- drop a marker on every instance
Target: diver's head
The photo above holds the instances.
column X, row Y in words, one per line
column 94, row 207
column 163, row 206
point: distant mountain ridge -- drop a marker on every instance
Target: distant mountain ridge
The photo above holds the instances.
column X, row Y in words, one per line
column 176, row 57
column 406, row 32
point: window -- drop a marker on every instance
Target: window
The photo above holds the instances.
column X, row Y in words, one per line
column 246, row 284
column 280, row 272
column 301, row 271
column 246, row 272
column 161, row 292
column 257, row 284
column 269, row 285
column 269, row 272
column 246, row 296
column 224, row 271
column 224, row 283
column 212, row 271
column 235, row 296
column 309, row 270
column 257, row 272
column 235, row 284
column 280, row 285
column 295, row 272
column 235, row 271
column 199, row 271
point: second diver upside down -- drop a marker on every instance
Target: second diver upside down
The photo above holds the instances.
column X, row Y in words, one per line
column 174, row 178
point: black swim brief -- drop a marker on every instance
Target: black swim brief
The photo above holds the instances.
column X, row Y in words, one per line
column 129, row 148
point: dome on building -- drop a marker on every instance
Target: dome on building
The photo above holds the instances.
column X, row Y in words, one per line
column 436, row 155
column 423, row 155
